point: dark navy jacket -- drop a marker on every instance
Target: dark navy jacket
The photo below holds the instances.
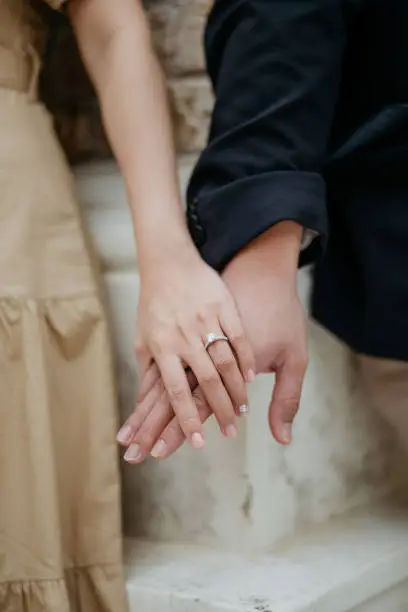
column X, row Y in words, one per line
column 311, row 124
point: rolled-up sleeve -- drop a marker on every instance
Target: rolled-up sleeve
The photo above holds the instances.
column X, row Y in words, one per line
column 275, row 67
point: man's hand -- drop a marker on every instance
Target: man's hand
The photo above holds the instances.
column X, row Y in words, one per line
column 262, row 280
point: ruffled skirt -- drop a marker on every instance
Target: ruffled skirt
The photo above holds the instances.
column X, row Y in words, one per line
column 60, row 535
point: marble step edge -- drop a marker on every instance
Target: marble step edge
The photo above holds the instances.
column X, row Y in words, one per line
column 338, row 568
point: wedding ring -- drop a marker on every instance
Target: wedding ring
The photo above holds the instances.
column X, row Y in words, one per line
column 244, row 410
column 213, row 338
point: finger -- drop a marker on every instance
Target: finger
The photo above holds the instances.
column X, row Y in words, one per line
column 147, row 381
column 214, row 390
column 181, row 399
column 232, row 328
column 285, row 400
column 155, row 422
column 130, row 428
column 144, row 358
column 173, row 436
column 227, row 367
column 159, row 416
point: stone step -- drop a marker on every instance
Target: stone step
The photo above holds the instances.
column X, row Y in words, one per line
column 357, row 564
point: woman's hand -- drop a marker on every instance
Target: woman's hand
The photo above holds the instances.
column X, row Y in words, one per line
column 152, row 414
column 275, row 323
column 182, row 301
column 278, row 336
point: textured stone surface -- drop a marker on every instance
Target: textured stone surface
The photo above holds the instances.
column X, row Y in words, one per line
column 191, row 103
column 358, row 564
column 69, row 95
column 177, row 27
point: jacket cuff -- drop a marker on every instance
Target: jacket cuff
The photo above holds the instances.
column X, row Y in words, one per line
column 225, row 220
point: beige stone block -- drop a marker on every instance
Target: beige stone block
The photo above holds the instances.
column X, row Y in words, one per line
column 83, row 138
column 177, row 27
column 191, row 102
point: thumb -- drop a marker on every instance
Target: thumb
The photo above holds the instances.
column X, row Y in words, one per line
column 285, row 400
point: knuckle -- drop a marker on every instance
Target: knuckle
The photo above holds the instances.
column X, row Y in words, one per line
column 158, row 343
column 184, row 332
column 209, row 380
column 177, row 393
column 225, row 363
column 215, row 304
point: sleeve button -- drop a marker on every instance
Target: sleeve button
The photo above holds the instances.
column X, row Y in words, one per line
column 199, row 235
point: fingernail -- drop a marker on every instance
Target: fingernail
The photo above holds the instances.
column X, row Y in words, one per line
column 244, row 410
column 125, row 434
column 197, row 440
column 132, row 453
column 286, row 433
column 251, row 376
column 159, row 449
column 231, row 431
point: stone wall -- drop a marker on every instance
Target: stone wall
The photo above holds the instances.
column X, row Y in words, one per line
column 177, row 30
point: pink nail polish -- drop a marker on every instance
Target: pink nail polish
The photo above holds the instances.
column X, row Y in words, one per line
column 231, row 431
column 159, row 449
column 197, row 440
column 125, row 435
column 286, row 433
column 132, row 453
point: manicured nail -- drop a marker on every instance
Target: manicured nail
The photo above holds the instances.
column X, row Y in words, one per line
column 197, row 440
column 251, row 376
column 286, row 433
column 159, row 449
column 125, row 435
column 244, row 410
column 231, row 431
column 132, row 453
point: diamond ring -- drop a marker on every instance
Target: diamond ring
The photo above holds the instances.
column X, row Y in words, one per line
column 213, row 338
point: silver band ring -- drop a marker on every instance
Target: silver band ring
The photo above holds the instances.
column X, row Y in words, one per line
column 213, row 338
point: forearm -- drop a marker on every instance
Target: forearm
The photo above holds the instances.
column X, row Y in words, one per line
column 274, row 256
column 132, row 94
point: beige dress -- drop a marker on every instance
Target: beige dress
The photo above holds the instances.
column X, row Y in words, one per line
column 60, row 539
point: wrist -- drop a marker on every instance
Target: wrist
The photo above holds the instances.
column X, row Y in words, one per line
column 168, row 249
column 275, row 253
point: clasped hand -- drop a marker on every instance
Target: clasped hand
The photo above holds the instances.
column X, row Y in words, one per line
column 256, row 305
